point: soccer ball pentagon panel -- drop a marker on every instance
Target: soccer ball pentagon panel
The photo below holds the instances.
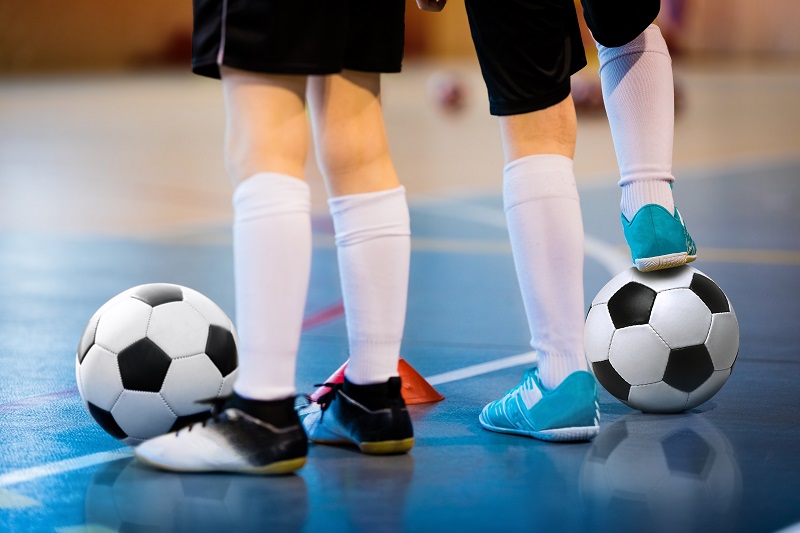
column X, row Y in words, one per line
column 664, row 341
column 149, row 354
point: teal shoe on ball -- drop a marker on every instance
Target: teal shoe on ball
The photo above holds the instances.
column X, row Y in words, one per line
column 658, row 239
column 570, row 412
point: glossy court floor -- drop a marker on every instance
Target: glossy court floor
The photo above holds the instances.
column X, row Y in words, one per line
column 107, row 182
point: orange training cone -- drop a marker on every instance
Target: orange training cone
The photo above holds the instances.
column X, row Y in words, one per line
column 415, row 388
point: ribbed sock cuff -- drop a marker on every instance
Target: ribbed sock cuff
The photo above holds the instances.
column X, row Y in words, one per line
column 554, row 368
column 638, row 194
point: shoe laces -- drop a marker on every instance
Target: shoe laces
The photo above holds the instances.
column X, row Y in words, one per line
column 326, row 399
column 217, row 408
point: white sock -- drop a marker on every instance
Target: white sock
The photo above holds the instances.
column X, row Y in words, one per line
column 639, row 97
column 546, row 230
column 373, row 247
column 272, row 264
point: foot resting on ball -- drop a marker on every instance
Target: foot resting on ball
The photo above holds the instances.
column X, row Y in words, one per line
column 567, row 413
column 373, row 417
column 658, row 239
column 240, row 436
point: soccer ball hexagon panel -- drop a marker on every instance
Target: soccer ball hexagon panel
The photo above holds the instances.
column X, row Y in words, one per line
column 662, row 341
column 149, row 354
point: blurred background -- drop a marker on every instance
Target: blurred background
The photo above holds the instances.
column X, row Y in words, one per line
column 101, row 121
column 38, row 36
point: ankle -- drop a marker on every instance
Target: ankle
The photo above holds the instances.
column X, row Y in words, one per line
column 376, row 395
column 637, row 194
column 279, row 413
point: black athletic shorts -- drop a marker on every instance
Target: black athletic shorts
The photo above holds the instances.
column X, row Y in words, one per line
column 527, row 50
column 618, row 22
column 297, row 36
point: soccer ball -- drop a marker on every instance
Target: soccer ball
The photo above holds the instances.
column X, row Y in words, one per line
column 149, row 354
column 664, row 341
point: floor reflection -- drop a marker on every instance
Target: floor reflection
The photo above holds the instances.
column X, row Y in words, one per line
column 665, row 473
column 128, row 496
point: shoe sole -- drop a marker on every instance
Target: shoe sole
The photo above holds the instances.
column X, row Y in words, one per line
column 384, row 447
column 273, row 469
column 662, row 262
column 579, row 433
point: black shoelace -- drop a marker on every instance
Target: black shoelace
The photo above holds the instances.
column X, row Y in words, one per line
column 217, row 408
column 326, row 399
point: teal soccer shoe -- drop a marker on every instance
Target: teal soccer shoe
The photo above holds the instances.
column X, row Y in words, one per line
column 570, row 412
column 657, row 239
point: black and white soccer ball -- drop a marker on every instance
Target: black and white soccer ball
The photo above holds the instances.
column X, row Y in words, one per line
column 664, row 341
column 149, row 354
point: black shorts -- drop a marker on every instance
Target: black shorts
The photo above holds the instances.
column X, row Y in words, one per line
column 527, row 50
column 619, row 22
column 297, row 36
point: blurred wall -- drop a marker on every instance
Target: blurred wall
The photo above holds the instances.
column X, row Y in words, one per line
column 81, row 35
column 78, row 35
column 739, row 27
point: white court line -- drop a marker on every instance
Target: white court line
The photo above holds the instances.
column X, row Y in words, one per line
column 59, row 467
column 68, row 465
column 526, row 358
column 610, row 257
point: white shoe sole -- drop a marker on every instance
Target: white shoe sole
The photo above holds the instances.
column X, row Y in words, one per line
column 277, row 468
column 651, row 264
column 579, row 433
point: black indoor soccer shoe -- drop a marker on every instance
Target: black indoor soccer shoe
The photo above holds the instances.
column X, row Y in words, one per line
column 240, row 436
column 373, row 417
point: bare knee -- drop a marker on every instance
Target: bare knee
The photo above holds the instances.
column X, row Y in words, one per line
column 349, row 132
column 266, row 125
column 549, row 131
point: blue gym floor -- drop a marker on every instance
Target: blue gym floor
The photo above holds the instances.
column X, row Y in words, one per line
column 732, row 464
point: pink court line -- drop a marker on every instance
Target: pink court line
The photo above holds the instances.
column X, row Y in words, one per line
column 323, row 316
column 318, row 318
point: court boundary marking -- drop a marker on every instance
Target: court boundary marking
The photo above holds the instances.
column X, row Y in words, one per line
column 23, row 475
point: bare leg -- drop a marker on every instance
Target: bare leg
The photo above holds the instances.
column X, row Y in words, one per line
column 370, row 215
column 266, row 146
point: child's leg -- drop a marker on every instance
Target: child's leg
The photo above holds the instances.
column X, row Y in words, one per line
column 546, row 231
column 370, row 216
column 257, row 429
column 638, row 92
column 266, row 144
column 639, row 97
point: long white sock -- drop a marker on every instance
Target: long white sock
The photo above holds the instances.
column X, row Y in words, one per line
column 373, row 247
column 546, row 230
column 639, row 97
column 272, row 264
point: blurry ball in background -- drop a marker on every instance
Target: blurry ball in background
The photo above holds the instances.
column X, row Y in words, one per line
column 448, row 91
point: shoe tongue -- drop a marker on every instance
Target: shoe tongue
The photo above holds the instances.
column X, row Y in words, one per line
column 373, row 396
column 393, row 387
column 279, row 413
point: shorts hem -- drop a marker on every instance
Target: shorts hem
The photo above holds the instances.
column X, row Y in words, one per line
column 394, row 69
column 529, row 105
column 211, row 69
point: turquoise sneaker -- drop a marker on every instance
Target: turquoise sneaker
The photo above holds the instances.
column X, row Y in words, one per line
column 567, row 413
column 657, row 239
